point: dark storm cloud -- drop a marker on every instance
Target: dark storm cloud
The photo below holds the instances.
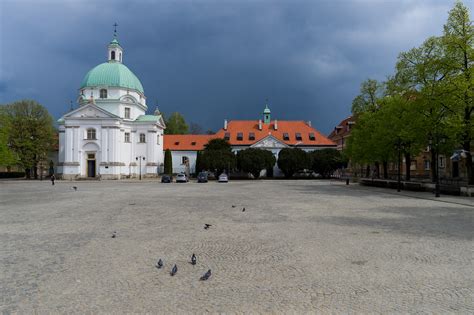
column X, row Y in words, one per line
column 212, row 60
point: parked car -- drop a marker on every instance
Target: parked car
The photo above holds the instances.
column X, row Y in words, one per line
column 202, row 177
column 223, row 178
column 181, row 178
column 166, row 179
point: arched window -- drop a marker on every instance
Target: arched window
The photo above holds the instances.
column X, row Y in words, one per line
column 142, row 138
column 112, row 55
column 91, row 134
column 120, row 57
column 103, row 93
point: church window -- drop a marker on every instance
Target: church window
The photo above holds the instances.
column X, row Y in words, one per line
column 142, row 138
column 298, row 136
column 91, row 134
column 227, row 136
column 286, row 136
column 252, row 136
column 120, row 57
column 112, row 55
column 311, row 136
column 157, row 139
column 103, row 93
column 184, row 160
column 127, row 137
column 240, row 136
column 127, row 112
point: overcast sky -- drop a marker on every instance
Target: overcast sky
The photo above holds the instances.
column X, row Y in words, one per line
column 215, row 60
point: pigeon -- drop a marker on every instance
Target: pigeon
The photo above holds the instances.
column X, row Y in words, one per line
column 74, row 187
column 193, row 259
column 206, row 226
column 206, row 276
column 159, row 264
column 233, row 206
column 243, row 210
column 174, row 270
column 114, row 234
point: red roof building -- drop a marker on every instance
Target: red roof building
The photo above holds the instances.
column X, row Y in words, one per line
column 341, row 132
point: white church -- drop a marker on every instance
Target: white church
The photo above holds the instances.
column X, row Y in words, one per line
column 109, row 136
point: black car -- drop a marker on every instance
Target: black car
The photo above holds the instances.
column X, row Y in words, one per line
column 202, row 177
column 166, row 179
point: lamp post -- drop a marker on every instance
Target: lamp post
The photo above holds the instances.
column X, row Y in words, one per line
column 434, row 145
column 139, row 159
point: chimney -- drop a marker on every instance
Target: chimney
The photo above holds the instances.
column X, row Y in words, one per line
column 225, row 124
column 275, row 125
column 259, row 124
column 309, row 123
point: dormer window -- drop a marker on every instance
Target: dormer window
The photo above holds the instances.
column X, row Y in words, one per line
column 227, row 136
column 91, row 134
column 252, row 136
column 176, row 143
column 286, row 136
column 298, row 136
column 103, row 93
column 240, row 136
column 127, row 112
column 311, row 136
column 193, row 143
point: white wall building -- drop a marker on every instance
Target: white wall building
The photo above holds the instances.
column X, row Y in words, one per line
column 109, row 136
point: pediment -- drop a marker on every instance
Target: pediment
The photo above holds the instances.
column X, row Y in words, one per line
column 90, row 111
column 269, row 142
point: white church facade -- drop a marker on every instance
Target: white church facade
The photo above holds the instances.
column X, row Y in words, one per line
column 109, row 135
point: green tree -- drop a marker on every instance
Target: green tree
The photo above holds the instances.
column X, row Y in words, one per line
column 199, row 167
column 458, row 42
column 326, row 161
column 254, row 161
column 218, row 156
column 370, row 93
column 33, row 135
column 176, row 125
column 168, row 162
column 291, row 160
column 7, row 157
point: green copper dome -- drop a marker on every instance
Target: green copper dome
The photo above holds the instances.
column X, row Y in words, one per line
column 113, row 74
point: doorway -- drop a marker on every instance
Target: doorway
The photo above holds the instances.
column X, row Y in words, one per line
column 90, row 165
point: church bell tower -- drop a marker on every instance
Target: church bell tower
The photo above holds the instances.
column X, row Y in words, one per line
column 115, row 51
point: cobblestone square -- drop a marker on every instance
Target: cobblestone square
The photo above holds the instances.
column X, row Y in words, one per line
column 300, row 247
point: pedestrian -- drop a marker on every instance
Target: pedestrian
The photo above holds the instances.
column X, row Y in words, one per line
column 52, row 179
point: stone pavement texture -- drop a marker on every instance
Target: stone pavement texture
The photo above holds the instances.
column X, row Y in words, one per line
column 300, row 247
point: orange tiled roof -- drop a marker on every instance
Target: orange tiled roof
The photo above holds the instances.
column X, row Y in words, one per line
column 283, row 126
column 186, row 142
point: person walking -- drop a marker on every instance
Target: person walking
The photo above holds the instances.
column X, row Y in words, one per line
column 53, row 179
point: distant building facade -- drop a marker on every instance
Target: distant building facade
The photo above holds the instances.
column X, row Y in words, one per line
column 265, row 133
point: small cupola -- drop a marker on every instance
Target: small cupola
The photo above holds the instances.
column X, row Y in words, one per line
column 115, row 51
column 266, row 115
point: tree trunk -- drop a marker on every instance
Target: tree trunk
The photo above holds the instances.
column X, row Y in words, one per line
column 27, row 173
column 377, row 169
column 367, row 171
column 433, row 166
column 385, row 169
column 35, row 172
column 467, row 145
column 407, row 166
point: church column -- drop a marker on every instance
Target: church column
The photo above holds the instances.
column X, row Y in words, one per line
column 69, row 144
column 75, row 157
column 105, row 146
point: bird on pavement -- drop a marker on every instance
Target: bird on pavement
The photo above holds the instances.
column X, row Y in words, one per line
column 206, row 276
column 206, row 226
column 159, row 264
column 74, row 187
column 114, row 234
column 193, row 259
column 174, row 270
column 243, row 210
column 233, row 206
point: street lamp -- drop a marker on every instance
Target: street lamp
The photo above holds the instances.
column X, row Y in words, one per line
column 399, row 175
column 139, row 159
column 435, row 146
